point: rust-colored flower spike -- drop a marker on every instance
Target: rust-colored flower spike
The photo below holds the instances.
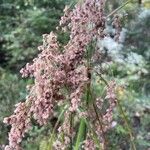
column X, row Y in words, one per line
column 54, row 70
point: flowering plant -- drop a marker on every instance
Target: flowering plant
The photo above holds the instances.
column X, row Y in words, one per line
column 64, row 76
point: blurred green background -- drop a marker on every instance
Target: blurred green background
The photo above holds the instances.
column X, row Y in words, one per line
column 22, row 23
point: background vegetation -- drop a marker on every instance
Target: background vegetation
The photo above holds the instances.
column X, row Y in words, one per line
column 22, row 22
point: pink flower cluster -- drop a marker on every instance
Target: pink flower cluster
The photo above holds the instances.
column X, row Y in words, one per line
column 89, row 145
column 111, row 97
column 20, row 122
column 54, row 70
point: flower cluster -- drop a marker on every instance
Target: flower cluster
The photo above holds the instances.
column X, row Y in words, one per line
column 112, row 99
column 54, row 70
column 89, row 145
column 20, row 122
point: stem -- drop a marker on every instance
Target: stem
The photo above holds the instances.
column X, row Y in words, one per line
column 71, row 126
column 101, row 126
column 81, row 134
column 103, row 79
column 113, row 12
column 127, row 125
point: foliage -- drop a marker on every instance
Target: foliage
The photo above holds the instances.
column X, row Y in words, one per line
column 21, row 26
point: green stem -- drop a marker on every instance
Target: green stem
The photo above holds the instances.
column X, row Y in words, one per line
column 127, row 125
column 81, row 134
column 71, row 126
column 113, row 12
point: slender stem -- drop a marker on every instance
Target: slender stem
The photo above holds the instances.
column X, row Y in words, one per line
column 103, row 79
column 101, row 126
column 71, row 126
column 127, row 125
column 81, row 134
column 113, row 12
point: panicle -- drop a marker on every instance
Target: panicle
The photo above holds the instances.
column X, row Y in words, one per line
column 20, row 122
column 54, row 70
column 111, row 97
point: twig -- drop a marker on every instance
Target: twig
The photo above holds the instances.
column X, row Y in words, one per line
column 113, row 12
column 103, row 79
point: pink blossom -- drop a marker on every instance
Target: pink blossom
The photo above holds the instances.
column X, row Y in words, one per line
column 62, row 76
